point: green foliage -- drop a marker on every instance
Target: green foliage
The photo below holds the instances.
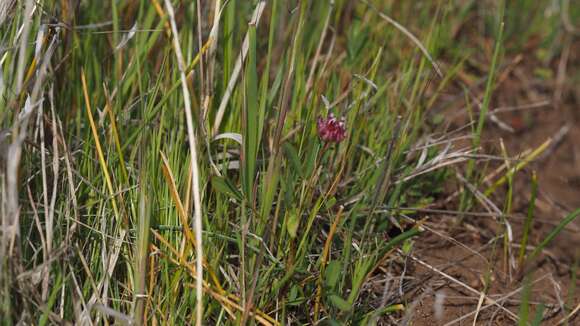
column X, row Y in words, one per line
column 120, row 194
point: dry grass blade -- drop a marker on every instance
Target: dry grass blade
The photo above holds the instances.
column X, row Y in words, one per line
column 442, row 160
column 11, row 216
column 70, row 179
column 183, row 215
column 115, row 132
column 569, row 316
column 467, row 287
column 177, row 200
column 525, row 161
column 112, row 209
column 142, row 252
column 478, row 309
column 237, row 69
column 118, row 316
column 213, row 40
column 228, row 301
column 194, row 165
column 100, row 154
column 5, row 7
column 202, row 82
column 48, row 228
column 109, row 267
column 500, row 300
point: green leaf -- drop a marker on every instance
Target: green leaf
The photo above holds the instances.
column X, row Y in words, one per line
column 398, row 239
column 311, row 158
column 251, row 123
column 339, row 302
column 295, row 296
column 332, row 273
column 407, row 246
column 51, row 300
column 330, row 202
column 362, row 268
column 539, row 315
column 371, row 317
column 293, row 158
column 292, row 223
column 332, row 322
column 567, row 220
column 293, row 293
column 224, row 186
column 525, row 305
column 276, row 85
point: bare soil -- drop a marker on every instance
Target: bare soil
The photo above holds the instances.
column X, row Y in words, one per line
column 453, row 265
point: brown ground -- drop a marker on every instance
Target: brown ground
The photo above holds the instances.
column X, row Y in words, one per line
column 472, row 255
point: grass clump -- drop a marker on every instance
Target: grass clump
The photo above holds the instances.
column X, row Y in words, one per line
column 166, row 166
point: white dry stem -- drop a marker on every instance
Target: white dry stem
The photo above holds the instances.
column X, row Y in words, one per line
column 109, row 266
column 498, row 301
column 55, row 168
column 194, row 167
column 11, row 219
column 110, row 312
column 443, row 159
column 5, row 6
column 72, row 189
column 569, row 316
column 229, row 135
column 491, row 207
column 237, row 68
column 213, row 39
column 39, row 228
column 126, row 38
column 478, row 309
column 48, row 226
column 79, row 301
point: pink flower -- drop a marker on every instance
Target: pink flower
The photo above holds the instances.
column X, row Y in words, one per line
column 331, row 129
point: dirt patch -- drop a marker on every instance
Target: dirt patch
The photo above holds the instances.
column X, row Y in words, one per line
column 452, row 266
column 458, row 268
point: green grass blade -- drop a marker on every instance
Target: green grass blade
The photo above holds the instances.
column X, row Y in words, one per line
column 567, row 220
column 251, row 124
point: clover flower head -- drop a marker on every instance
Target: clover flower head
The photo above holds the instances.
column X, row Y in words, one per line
column 331, row 129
